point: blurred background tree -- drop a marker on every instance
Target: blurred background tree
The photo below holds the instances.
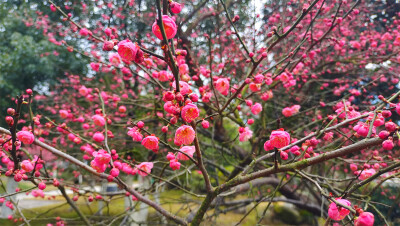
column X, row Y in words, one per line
column 27, row 58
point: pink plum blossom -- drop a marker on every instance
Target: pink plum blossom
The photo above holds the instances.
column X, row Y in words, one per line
column 245, row 134
column 365, row 219
column 279, row 138
column 169, row 27
column 144, row 168
column 26, row 137
column 150, row 142
column 338, row 213
column 189, row 150
column 189, row 112
column 184, row 135
column 222, row 85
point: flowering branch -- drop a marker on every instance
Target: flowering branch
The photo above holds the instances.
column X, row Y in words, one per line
column 104, row 176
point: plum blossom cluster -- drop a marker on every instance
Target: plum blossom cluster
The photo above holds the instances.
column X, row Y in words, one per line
column 103, row 160
column 245, row 134
column 184, row 153
column 278, row 139
column 289, row 111
column 100, row 161
column 339, row 212
column 188, row 85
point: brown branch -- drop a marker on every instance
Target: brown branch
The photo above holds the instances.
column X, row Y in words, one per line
column 13, row 131
column 303, row 163
column 200, row 161
column 167, row 51
column 72, row 204
column 105, row 176
column 283, row 168
column 303, row 14
column 237, row 32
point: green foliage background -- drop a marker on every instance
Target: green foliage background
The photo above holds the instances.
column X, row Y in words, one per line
column 21, row 64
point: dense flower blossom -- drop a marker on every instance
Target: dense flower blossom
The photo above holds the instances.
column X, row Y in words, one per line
column 279, row 138
column 102, row 156
column 98, row 120
column 284, row 155
column 222, row 85
column 83, row 91
column 168, row 96
column 189, row 150
column 194, row 97
column 100, row 168
column 366, row 173
column 26, row 137
column 27, row 165
column 37, row 193
column 353, row 167
column 295, row 150
column 170, row 156
column 114, row 59
column 391, row 126
column 95, row 66
column 328, row 136
column 268, row 146
column 245, row 134
column 122, row 109
column 98, row 137
column 175, row 7
column 365, row 219
column 18, row 177
column 267, row 95
column 184, row 135
column 205, row 124
column 336, row 75
column 255, row 87
column 63, row 113
column 108, row 31
column 144, row 168
column 84, row 32
column 164, row 76
column 184, row 87
column 388, row 144
column 379, row 119
column 258, row 78
column 42, row 186
column 169, row 27
column 338, row 213
column 170, row 107
column 127, row 50
column 183, row 69
column 256, row 108
column 398, row 108
column 100, row 161
column 351, row 114
column 114, row 172
column 175, row 164
column 355, row 44
column 362, row 129
column 289, row 111
column 150, row 142
column 135, row 134
column 108, row 46
column 190, row 112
